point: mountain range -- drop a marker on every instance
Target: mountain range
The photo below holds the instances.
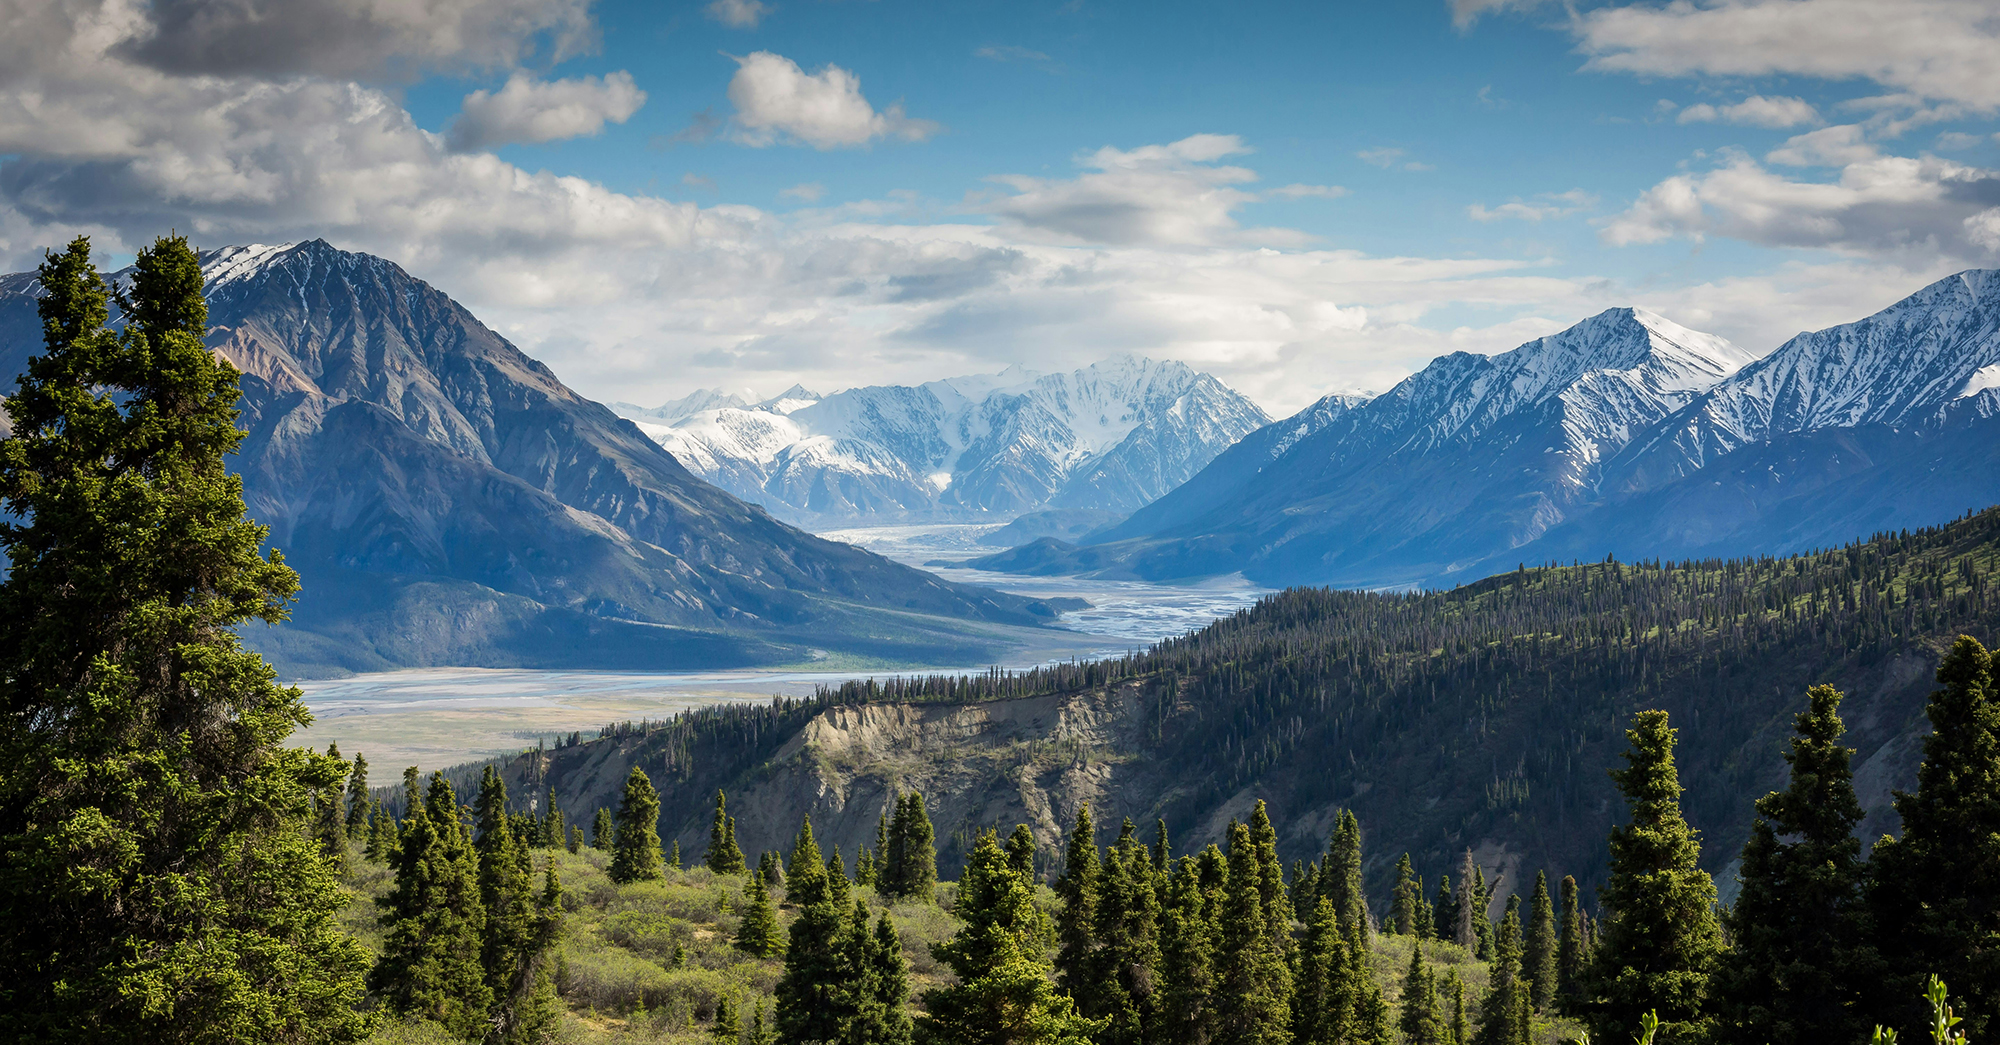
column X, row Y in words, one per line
column 1108, row 438
column 447, row 501
column 1624, row 435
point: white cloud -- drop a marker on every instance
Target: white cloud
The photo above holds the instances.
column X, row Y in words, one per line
column 1156, row 194
column 1466, row 12
column 778, row 101
column 738, row 14
column 808, row 192
column 1954, row 141
column 1835, row 146
column 1754, row 111
column 1946, row 50
column 1387, row 157
column 1890, row 207
column 527, row 110
column 1302, row 192
column 1547, row 205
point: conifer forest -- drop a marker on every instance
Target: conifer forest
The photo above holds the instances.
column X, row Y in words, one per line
column 175, row 871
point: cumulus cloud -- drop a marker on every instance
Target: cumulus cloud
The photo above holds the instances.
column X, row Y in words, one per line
column 1946, row 50
column 1754, row 111
column 776, row 101
column 528, row 110
column 807, row 192
column 738, row 14
column 1886, row 206
column 1155, row 194
column 1547, row 205
column 343, row 38
column 1835, row 146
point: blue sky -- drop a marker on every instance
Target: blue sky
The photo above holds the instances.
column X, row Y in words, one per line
column 1300, row 197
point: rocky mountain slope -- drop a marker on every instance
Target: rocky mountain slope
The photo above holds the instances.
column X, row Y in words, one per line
column 1482, row 717
column 1110, row 437
column 1470, row 457
column 447, row 500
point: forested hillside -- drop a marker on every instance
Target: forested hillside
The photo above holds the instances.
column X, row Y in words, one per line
column 1483, row 717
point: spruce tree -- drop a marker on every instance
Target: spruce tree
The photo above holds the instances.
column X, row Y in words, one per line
column 635, row 853
column 152, row 823
column 1469, row 911
column 1076, row 917
column 504, row 888
column 1322, row 997
column 1188, row 936
column 911, row 872
column 758, row 933
column 357, row 799
column 892, row 985
column 1571, row 954
column 1444, row 914
column 1936, row 889
column 1271, row 878
column 1340, row 876
column 674, row 852
column 1003, row 995
column 553, row 831
column 1253, row 995
column 1539, row 947
column 601, row 831
column 815, row 996
column 1021, row 851
column 330, row 817
column 1163, row 849
column 724, row 857
column 1660, row 940
column 1461, row 1028
column 1482, row 905
column 1420, row 1020
column 1794, row 973
column 726, row 1030
column 1127, row 959
column 434, row 923
column 1408, row 897
column 1426, row 918
column 1500, row 1011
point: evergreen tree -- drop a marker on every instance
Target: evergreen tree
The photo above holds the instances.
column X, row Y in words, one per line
column 601, row 831
column 1021, row 851
column 505, row 891
column 1253, row 996
column 1188, row 939
column 911, row 871
column 1794, row 972
column 724, row 857
column 575, row 839
column 1408, row 897
column 772, row 870
column 1660, row 938
column 1482, row 905
column 381, row 835
column 1076, row 917
column 674, row 851
column 892, row 986
column 153, row 826
column 1571, row 953
column 1276, row 904
column 357, row 799
column 1003, row 995
column 635, row 853
column 1936, row 889
column 815, row 993
column 1127, row 933
column 759, row 933
column 1162, row 849
column 727, row 1030
column 1500, row 1013
column 1422, row 1018
column 1461, row 1030
column 553, row 832
column 1370, row 1024
column 330, row 817
column 864, row 868
column 1322, row 999
column 1444, row 913
column 434, row 922
column 1539, row 950
column 1340, row 876
column 836, row 868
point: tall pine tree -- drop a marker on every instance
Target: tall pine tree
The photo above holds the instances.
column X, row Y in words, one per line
column 1571, row 953
column 1659, row 940
column 1794, row 973
column 1936, row 889
column 434, row 922
column 1407, row 899
column 1539, row 950
column 635, row 847
column 162, row 885
column 724, row 855
column 1253, row 988
column 357, row 799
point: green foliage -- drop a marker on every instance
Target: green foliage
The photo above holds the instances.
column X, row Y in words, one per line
column 1422, row 1021
column 1936, row 889
column 1660, row 939
column 1076, row 918
column 724, row 855
column 431, row 967
column 161, row 882
column 909, row 867
column 1405, row 902
column 601, row 831
column 1799, row 960
column 1571, row 955
column 1340, row 879
column 1254, row 986
column 759, row 934
column 1540, row 953
column 357, row 799
column 1003, row 995
column 635, row 853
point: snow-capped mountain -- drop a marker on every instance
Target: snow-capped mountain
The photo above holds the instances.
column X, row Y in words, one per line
column 1111, row 436
column 447, row 500
column 1471, row 456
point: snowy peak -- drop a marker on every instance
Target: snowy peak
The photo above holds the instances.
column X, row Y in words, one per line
column 1111, row 436
column 676, row 409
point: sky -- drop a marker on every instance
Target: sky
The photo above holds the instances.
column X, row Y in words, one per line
column 1300, row 198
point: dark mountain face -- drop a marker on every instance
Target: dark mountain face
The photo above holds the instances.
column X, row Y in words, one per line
column 448, row 501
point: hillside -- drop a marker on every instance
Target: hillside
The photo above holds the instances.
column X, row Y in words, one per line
column 1482, row 717
column 447, row 500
